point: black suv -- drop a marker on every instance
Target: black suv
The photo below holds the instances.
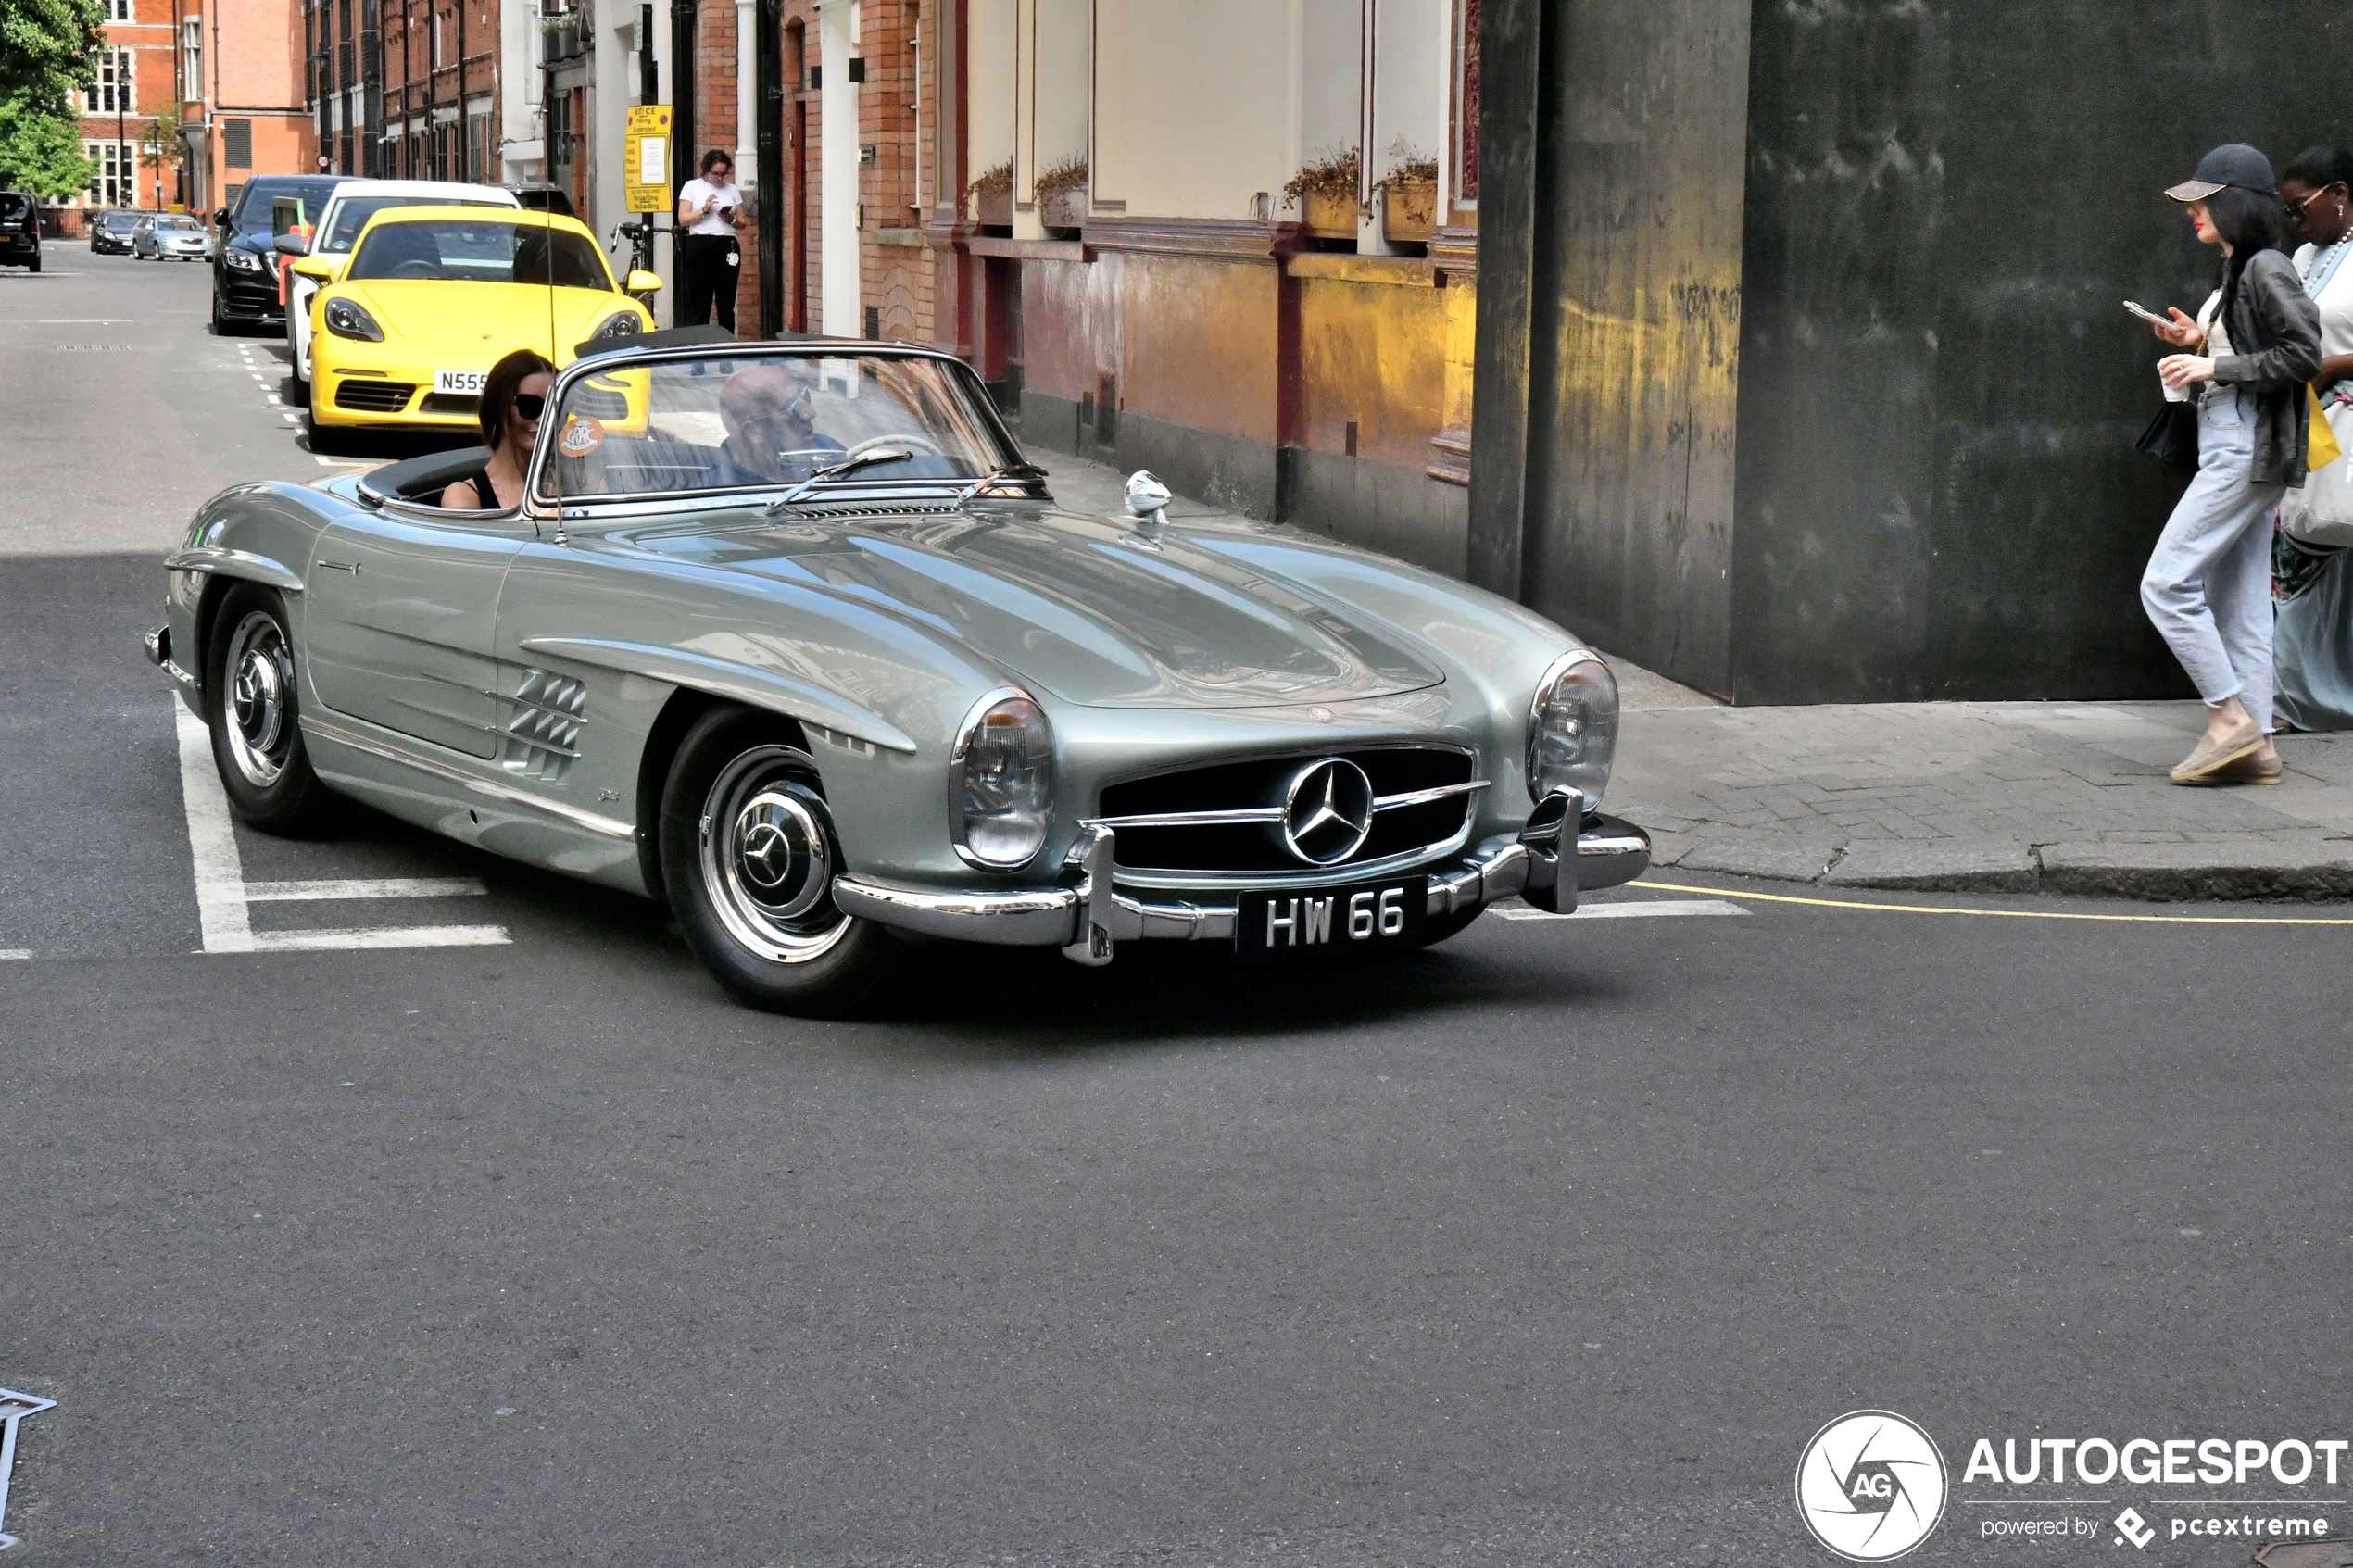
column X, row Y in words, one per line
column 19, row 231
column 244, row 269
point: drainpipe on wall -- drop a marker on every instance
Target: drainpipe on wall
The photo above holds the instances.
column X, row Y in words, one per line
column 838, row 222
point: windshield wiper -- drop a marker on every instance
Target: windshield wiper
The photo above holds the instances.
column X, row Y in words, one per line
column 1011, row 471
column 835, row 471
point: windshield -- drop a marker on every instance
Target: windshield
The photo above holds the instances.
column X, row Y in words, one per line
column 479, row 251
column 769, row 421
column 12, row 207
column 352, row 216
column 122, row 219
column 252, row 210
column 175, row 220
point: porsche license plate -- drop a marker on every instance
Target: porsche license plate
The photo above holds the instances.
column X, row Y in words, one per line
column 464, row 383
column 1357, row 918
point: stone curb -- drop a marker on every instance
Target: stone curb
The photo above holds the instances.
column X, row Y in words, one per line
column 2311, row 871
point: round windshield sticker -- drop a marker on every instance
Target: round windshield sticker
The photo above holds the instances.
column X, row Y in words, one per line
column 581, row 437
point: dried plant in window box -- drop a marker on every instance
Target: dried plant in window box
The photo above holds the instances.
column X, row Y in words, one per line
column 1061, row 193
column 1409, row 196
column 1326, row 194
column 990, row 196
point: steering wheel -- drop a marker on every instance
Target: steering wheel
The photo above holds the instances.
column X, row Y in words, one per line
column 417, row 268
column 912, row 442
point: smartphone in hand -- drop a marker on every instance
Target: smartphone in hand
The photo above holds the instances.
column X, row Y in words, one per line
column 2146, row 314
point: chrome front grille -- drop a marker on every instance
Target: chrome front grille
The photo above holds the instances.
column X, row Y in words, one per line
column 1223, row 825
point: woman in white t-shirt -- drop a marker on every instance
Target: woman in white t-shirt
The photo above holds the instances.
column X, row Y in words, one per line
column 2312, row 640
column 711, row 213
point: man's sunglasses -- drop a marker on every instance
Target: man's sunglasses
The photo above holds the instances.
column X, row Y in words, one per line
column 530, row 405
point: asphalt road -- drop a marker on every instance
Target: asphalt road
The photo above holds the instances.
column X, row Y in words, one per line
column 1552, row 1245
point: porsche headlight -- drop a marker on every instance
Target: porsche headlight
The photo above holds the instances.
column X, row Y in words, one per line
column 621, row 323
column 1572, row 728
column 345, row 319
column 1001, row 781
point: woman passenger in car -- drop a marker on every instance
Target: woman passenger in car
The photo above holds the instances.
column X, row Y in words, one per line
column 512, row 400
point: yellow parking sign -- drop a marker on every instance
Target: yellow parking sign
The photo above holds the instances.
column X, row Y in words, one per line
column 645, row 159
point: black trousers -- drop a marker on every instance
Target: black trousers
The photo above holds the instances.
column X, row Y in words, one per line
column 708, row 268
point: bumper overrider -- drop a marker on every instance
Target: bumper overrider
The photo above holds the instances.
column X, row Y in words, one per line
column 1091, row 916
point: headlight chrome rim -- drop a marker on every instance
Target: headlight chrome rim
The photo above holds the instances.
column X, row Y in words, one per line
column 1041, row 811
column 1586, row 774
column 620, row 324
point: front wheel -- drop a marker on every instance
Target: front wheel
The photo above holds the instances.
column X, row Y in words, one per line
column 748, row 855
column 255, row 718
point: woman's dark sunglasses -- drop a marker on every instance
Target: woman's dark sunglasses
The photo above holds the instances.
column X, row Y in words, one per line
column 530, row 405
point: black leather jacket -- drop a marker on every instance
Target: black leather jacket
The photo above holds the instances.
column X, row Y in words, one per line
column 2272, row 315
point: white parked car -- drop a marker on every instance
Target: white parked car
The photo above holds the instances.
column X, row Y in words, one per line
column 347, row 211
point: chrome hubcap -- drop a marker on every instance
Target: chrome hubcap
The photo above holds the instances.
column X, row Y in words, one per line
column 768, row 855
column 260, row 729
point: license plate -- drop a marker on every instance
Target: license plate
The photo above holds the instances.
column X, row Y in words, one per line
column 465, row 382
column 1356, row 918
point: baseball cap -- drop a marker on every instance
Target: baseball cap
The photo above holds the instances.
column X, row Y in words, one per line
column 2234, row 163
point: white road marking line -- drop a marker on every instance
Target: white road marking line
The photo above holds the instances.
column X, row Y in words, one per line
column 366, row 887
column 9, row 953
column 1642, row 909
column 341, row 463
column 222, row 894
column 213, row 841
column 84, row 321
column 360, row 937
column 273, row 401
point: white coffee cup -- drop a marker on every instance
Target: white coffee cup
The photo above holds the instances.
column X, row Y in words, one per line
column 2174, row 393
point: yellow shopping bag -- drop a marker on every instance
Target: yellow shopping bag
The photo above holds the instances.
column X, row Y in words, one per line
column 2323, row 450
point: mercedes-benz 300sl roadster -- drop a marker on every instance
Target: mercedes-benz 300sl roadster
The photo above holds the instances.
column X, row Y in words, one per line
column 791, row 636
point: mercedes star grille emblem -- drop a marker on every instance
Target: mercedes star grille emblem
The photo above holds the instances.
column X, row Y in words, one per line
column 1327, row 811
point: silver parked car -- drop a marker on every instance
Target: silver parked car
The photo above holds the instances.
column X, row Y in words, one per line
column 170, row 236
column 790, row 636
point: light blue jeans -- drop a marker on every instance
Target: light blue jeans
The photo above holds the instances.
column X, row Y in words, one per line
column 2208, row 585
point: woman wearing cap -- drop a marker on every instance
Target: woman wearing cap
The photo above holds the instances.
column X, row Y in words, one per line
column 2249, row 355
column 2312, row 642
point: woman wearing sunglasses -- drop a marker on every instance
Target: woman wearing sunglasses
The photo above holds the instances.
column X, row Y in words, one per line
column 512, row 400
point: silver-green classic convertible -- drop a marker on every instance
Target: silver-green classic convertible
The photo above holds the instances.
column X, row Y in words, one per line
column 790, row 636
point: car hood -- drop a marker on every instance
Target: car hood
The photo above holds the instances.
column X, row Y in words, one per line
column 1090, row 611
column 465, row 326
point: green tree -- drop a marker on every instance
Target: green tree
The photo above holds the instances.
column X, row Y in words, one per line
column 41, row 151
column 48, row 51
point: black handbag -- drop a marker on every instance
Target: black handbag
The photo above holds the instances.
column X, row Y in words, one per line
column 2171, row 437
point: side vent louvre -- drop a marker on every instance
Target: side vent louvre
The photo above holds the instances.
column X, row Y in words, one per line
column 541, row 736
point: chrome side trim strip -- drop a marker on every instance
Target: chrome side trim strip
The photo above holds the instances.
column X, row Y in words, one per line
column 589, row 820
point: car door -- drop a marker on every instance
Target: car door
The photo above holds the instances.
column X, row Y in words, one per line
column 402, row 607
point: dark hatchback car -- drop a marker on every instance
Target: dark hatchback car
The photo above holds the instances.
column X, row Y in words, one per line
column 111, row 233
column 19, row 231
column 244, row 269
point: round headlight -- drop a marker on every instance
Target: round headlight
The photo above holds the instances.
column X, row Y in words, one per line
column 621, row 324
column 1001, row 781
column 1572, row 729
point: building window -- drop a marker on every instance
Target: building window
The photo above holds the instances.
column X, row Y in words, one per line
column 113, row 93
column 112, row 185
column 236, row 142
column 192, row 59
column 119, row 11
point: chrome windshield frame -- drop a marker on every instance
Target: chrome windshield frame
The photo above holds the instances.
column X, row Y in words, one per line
column 615, row 360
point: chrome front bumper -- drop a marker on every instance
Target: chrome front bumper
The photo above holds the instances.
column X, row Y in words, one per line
column 1088, row 920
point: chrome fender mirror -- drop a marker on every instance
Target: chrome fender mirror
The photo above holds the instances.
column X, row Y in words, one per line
column 1147, row 496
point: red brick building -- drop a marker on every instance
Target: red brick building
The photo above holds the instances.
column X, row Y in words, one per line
column 140, row 72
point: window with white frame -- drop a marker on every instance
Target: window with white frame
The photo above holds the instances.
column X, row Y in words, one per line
column 192, row 58
column 119, row 11
column 115, row 89
column 111, row 185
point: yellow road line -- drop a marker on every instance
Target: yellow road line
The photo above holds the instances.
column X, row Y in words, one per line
column 2007, row 914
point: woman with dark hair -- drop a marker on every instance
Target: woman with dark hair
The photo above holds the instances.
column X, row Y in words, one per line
column 711, row 213
column 2312, row 642
column 512, row 399
column 2250, row 350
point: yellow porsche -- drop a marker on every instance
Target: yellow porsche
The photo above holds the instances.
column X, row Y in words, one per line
column 432, row 297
